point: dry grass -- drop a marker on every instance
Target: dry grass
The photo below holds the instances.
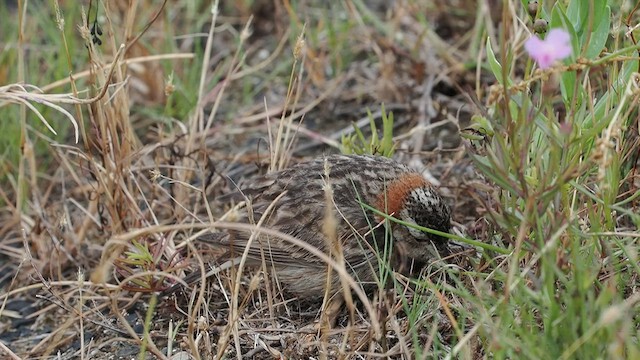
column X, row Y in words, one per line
column 126, row 203
column 178, row 105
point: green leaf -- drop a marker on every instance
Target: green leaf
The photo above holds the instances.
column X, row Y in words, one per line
column 600, row 35
column 495, row 66
column 577, row 13
column 601, row 12
column 568, row 87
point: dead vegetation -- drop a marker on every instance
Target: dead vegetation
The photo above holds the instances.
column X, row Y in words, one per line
column 89, row 241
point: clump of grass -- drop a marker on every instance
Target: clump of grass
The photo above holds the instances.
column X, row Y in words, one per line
column 559, row 145
column 377, row 144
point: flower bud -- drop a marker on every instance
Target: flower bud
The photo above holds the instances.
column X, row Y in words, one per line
column 532, row 8
column 540, row 26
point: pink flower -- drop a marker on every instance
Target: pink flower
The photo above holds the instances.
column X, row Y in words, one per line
column 555, row 46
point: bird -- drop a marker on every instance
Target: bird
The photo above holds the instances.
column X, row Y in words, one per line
column 294, row 201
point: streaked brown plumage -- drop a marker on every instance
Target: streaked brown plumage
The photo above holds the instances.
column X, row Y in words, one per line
column 383, row 183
